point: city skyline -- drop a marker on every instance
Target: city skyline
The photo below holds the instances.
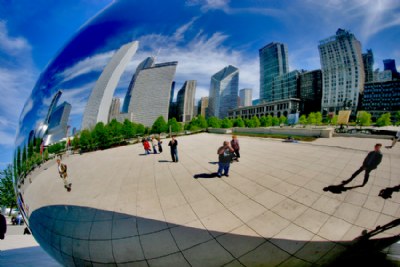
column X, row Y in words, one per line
column 26, row 50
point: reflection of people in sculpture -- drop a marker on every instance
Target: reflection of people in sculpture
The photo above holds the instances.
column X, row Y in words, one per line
column 62, row 170
column 394, row 140
column 173, row 144
column 371, row 162
column 387, row 192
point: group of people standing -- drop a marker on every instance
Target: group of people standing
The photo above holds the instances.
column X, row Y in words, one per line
column 227, row 153
column 156, row 143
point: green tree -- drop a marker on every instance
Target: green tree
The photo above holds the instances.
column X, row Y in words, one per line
column 364, row 118
column 7, row 195
column 282, row 119
column 303, row 119
column 384, row 120
column 274, row 121
column 140, row 129
column 397, row 117
column 311, row 118
column 75, row 142
column 159, row 126
column 30, row 149
column 114, row 129
column 334, row 120
column 256, row 121
column 226, row 123
column 263, row 121
column 85, row 140
column 238, row 122
column 19, row 165
column 318, row 118
column 101, row 136
column 128, row 129
column 214, row 122
column 176, row 127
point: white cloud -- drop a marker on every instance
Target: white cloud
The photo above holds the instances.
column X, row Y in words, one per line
column 11, row 45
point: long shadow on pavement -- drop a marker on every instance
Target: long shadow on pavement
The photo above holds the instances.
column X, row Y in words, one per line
column 205, row 175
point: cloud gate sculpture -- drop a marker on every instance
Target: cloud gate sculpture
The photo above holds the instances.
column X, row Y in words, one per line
column 124, row 209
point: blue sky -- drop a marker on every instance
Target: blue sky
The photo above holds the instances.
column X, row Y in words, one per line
column 206, row 36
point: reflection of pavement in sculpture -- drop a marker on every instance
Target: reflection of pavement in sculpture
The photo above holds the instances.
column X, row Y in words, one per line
column 272, row 209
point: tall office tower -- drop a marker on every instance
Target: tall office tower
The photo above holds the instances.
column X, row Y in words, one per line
column 173, row 106
column 342, row 72
column 246, row 95
column 285, row 86
column 185, row 101
column 98, row 105
column 223, row 92
column 114, row 108
column 310, row 91
column 58, row 124
column 147, row 63
column 151, row 93
column 203, row 106
column 390, row 64
column 273, row 62
column 53, row 105
column 368, row 60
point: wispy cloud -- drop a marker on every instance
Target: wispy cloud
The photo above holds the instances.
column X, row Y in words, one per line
column 17, row 78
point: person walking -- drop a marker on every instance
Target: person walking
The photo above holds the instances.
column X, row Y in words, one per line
column 3, row 226
column 154, row 143
column 224, row 158
column 159, row 144
column 371, row 162
column 173, row 144
column 62, row 170
column 146, row 146
column 236, row 147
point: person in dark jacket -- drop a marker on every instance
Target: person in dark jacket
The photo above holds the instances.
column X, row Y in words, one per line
column 236, row 147
column 224, row 158
column 371, row 162
column 3, row 226
column 173, row 144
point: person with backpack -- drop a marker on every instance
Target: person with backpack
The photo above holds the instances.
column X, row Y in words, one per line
column 62, row 170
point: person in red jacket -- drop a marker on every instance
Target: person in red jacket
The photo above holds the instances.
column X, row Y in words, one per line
column 146, row 146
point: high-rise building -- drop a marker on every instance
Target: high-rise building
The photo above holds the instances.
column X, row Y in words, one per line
column 246, row 95
column 98, row 105
column 151, row 93
column 58, row 124
column 381, row 97
column 173, row 106
column 114, row 108
column 310, row 91
column 203, row 106
column 52, row 106
column 368, row 60
column 273, row 62
column 185, row 101
column 342, row 72
column 223, row 92
column 147, row 63
column 390, row 65
column 285, row 86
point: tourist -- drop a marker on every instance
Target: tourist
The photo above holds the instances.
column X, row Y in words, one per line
column 173, row 144
column 224, row 159
column 3, row 226
column 146, row 146
column 159, row 145
column 371, row 162
column 154, row 143
column 62, row 170
column 236, row 147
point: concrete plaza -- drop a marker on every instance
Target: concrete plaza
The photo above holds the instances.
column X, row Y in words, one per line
column 272, row 208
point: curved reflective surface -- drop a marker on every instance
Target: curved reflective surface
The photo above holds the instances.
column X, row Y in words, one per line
column 120, row 206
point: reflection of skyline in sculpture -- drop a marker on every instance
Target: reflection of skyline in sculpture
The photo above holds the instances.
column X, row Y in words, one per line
column 185, row 101
column 223, row 92
column 151, row 93
column 58, row 124
column 98, row 105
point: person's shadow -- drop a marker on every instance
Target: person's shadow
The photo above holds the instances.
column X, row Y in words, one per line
column 340, row 188
column 388, row 191
column 205, row 175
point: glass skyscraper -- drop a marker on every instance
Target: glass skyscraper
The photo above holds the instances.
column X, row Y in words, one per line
column 273, row 62
column 342, row 72
column 223, row 92
column 185, row 101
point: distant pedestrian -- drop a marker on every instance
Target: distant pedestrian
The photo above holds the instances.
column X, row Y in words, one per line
column 395, row 139
column 3, row 226
column 159, row 145
column 146, row 146
column 62, row 170
column 154, row 143
column 236, row 147
column 173, row 144
column 224, row 158
column 371, row 162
